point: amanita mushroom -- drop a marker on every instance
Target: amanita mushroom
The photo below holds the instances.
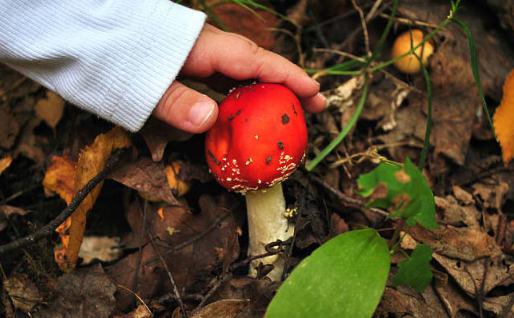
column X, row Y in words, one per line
column 259, row 139
column 409, row 64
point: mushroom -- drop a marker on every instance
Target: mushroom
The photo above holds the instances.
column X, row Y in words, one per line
column 409, row 64
column 259, row 139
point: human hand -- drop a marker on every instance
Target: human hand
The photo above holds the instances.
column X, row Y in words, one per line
column 238, row 58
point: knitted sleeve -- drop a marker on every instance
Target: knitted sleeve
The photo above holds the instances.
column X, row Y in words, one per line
column 115, row 58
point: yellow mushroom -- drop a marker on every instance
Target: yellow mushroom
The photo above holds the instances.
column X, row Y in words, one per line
column 409, row 64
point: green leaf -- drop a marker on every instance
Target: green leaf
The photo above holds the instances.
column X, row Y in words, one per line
column 345, row 277
column 401, row 189
column 415, row 271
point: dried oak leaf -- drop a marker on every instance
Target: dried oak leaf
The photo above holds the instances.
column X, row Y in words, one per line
column 504, row 120
column 470, row 275
column 148, row 178
column 66, row 178
column 23, row 293
column 157, row 135
column 403, row 303
column 456, row 214
column 460, row 243
column 50, row 108
column 452, row 297
column 85, row 293
column 192, row 245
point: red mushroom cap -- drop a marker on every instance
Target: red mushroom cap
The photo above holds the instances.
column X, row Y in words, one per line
column 259, row 138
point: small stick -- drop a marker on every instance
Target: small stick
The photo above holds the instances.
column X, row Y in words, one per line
column 364, row 27
column 172, row 280
column 74, row 204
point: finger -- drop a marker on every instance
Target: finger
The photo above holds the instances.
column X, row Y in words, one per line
column 315, row 104
column 186, row 109
column 239, row 58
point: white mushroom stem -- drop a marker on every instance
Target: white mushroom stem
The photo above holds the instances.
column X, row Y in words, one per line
column 266, row 224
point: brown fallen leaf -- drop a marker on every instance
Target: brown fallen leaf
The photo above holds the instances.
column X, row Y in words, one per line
column 257, row 25
column 492, row 195
column 141, row 311
column 456, row 214
column 84, row 293
column 6, row 211
column 258, row 291
column 22, row 292
column 9, row 127
column 182, row 238
column 459, row 243
column 503, row 120
column 102, row 248
column 157, row 135
column 502, row 306
column 225, row 308
column 30, row 145
column 148, row 178
column 63, row 176
column 50, row 108
column 453, row 299
column 402, row 303
column 470, row 275
column 5, row 162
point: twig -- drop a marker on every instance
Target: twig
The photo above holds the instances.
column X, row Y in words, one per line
column 137, row 296
column 192, row 240
column 225, row 277
column 409, row 21
column 20, row 193
column 346, row 199
column 364, row 27
column 217, row 284
column 49, row 228
column 170, row 277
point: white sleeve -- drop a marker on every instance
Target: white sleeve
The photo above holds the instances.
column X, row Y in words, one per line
column 114, row 58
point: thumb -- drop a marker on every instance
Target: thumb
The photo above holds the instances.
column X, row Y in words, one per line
column 186, row 109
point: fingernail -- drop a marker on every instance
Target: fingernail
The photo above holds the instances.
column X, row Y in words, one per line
column 201, row 112
column 322, row 99
column 314, row 82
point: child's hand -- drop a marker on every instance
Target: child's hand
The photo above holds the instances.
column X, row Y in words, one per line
column 236, row 57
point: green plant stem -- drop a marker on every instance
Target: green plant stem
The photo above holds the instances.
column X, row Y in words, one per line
column 473, row 53
column 351, row 123
column 387, row 29
column 428, row 129
column 345, row 69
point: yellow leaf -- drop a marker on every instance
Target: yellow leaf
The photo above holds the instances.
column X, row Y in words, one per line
column 504, row 119
column 5, row 162
column 50, row 109
column 91, row 161
column 173, row 176
column 60, row 178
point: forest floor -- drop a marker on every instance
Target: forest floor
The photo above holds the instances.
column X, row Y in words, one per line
column 163, row 234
